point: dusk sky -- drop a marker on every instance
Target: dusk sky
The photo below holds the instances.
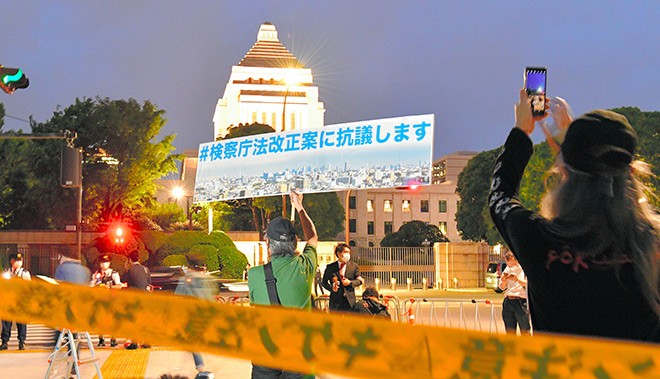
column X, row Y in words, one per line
column 460, row 60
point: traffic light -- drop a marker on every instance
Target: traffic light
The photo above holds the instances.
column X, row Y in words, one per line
column 12, row 79
column 118, row 233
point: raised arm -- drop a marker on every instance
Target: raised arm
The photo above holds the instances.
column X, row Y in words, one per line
column 309, row 230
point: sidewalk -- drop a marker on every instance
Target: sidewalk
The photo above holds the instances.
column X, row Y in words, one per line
column 126, row 364
column 34, row 364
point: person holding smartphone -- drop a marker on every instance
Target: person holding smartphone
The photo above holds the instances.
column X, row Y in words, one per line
column 591, row 255
column 514, row 307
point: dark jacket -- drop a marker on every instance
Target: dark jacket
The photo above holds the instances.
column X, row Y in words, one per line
column 568, row 292
column 138, row 277
column 352, row 273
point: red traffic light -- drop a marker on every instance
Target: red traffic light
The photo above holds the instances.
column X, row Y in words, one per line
column 118, row 233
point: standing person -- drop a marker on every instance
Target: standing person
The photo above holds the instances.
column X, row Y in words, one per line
column 15, row 270
column 514, row 307
column 71, row 269
column 197, row 284
column 109, row 278
column 138, row 276
column 318, row 287
column 591, row 255
column 340, row 279
column 292, row 272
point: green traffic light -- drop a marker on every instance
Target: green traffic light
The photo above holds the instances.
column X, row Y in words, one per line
column 12, row 78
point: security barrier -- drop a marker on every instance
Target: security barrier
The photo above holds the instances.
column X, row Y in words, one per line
column 438, row 312
column 317, row 342
column 322, row 303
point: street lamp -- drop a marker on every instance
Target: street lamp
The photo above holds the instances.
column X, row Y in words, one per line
column 179, row 193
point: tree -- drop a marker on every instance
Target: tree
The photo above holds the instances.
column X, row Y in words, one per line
column 122, row 156
column 473, row 216
column 647, row 126
column 473, row 185
column 414, row 234
column 327, row 213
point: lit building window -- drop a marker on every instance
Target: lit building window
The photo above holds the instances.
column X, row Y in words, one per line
column 370, row 205
column 293, row 121
column 443, row 227
column 387, row 206
column 424, row 206
column 254, row 116
column 405, row 206
column 263, row 118
column 442, row 204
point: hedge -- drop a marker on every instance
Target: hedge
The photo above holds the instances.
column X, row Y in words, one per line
column 175, row 260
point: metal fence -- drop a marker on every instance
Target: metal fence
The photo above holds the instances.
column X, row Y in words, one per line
column 400, row 263
column 478, row 315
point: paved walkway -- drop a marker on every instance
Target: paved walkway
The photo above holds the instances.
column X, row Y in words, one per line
column 124, row 364
column 129, row 364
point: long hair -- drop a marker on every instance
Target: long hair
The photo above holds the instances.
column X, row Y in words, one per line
column 608, row 215
column 281, row 248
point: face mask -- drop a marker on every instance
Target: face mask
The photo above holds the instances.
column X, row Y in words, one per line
column 346, row 257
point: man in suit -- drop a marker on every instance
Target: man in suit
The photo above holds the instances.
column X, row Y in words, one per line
column 340, row 279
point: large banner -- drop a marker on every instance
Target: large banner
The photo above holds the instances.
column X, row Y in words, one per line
column 316, row 342
column 366, row 154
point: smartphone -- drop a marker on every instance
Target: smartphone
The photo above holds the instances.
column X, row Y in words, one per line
column 535, row 85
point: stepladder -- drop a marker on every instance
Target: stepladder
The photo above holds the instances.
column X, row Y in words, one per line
column 66, row 360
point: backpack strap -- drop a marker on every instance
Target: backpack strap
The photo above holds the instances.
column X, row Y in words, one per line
column 271, row 284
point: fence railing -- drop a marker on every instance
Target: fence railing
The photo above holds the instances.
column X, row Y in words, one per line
column 398, row 263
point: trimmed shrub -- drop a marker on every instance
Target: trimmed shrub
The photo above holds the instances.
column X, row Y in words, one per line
column 209, row 253
column 119, row 263
column 175, row 260
column 230, row 261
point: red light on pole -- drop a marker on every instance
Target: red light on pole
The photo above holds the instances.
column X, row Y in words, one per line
column 117, row 233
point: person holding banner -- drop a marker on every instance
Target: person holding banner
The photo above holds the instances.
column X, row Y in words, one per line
column 592, row 255
column 287, row 279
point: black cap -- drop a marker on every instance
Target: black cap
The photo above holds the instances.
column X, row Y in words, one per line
column 105, row 258
column 599, row 142
column 16, row 257
column 280, row 229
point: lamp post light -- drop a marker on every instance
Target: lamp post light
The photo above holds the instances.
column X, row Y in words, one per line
column 179, row 193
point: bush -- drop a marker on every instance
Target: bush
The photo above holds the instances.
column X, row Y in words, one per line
column 175, row 260
column 230, row 261
column 119, row 263
column 153, row 240
column 209, row 253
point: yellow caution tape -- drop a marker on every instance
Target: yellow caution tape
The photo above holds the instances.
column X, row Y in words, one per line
column 318, row 342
